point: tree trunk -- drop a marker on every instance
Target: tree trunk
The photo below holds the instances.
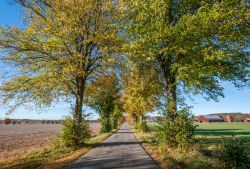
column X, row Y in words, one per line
column 170, row 73
column 171, row 96
column 77, row 114
column 171, row 87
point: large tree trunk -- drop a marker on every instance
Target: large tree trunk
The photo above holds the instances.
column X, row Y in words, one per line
column 171, row 96
column 171, row 86
column 77, row 114
column 170, row 73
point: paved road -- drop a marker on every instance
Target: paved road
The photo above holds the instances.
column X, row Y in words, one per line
column 121, row 150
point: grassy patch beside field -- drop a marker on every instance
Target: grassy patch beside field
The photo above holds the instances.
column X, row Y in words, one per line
column 209, row 136
column 19, row 139
column 169, row 158
column 51, row 157
column 212, row 133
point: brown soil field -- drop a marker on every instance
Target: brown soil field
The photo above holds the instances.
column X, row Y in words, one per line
column 19, row 139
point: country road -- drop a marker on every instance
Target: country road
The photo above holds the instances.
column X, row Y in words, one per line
column 121, row 150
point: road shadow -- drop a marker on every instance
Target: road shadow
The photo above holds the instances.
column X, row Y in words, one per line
column 109, row 144
column 114, row 162
column 124, row 132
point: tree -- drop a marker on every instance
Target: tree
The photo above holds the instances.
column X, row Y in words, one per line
column 117, row 115
column 104, row 96
column 141, row 92
column 59, row 52
column 6, row 121
column 67, row 135
column 193, row 44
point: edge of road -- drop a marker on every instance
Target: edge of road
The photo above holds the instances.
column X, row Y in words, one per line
column 94, row 146
column 144, row 148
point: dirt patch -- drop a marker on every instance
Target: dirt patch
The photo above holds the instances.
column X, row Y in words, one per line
column 19, row 139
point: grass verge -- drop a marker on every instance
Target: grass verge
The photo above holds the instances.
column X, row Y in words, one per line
column 204, row 153
column 211, row 133
column 52, row 156
column 169, row 158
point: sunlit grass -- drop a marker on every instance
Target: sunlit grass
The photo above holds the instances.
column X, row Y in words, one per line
column 168, row 157
column 208, row 136
column 212, row 133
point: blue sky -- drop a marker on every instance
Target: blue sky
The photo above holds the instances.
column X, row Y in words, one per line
column 235, row 100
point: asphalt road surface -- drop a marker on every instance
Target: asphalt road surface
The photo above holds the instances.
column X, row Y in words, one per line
column 121, row 150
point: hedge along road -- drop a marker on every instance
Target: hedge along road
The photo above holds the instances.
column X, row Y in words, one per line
column 121, row 150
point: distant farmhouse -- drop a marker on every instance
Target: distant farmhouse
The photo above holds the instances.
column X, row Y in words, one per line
column 224, row 117
column 246, row 120
column 152, row 119
column 229, row 119
column 210, row 119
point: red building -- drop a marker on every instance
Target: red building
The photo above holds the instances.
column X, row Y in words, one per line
column 247, row 120
column 229, row 119
column 210, row 119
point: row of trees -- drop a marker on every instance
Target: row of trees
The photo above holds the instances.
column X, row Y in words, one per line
column 140, row 55
column 103, row 95
column 141, row 93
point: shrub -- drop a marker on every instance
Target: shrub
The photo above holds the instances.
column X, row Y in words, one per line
column 43, row 121
column 106, row 125
column 68, row 135
column 47, row 122
column 114, row 122
column 7, row 121
column 141, row 125
column 19, row 122
column 13, row 122
column 178, row 133
column 232, row 153
column 116, row 117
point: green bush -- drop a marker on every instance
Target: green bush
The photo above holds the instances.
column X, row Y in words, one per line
column 116, row 117
column 141, row 125
column 69, row 135
column 232, row 153
column 106, row 125
column 178, row 133
column 114, row 120
column 114, row 123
